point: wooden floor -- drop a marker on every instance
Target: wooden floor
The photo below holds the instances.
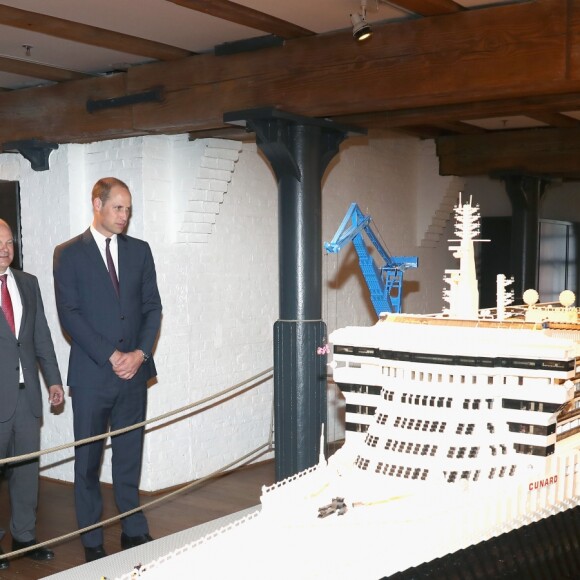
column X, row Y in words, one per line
column 213, row 499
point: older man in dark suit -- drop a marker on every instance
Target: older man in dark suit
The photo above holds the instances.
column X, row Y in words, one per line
column 25, row 344
column 109, row 305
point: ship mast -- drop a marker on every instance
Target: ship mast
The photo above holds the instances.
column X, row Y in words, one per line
column 463, row 294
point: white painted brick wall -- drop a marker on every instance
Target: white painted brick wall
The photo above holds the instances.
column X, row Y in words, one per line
column 220, row 296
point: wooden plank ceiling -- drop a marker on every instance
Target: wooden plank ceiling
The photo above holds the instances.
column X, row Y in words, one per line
column 497, row 84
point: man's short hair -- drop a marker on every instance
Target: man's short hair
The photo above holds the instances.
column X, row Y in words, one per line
column 102, row 189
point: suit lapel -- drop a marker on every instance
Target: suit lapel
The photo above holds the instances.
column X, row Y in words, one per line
column 24, row 300
column 123, row 260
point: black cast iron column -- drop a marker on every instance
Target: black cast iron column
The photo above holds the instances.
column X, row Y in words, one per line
column 525, row 193
column 299, row 150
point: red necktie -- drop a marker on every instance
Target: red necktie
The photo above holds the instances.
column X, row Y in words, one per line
column 111, row 267
column 7, row 303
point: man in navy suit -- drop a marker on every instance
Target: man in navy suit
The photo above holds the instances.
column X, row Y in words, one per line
column 109, row 306
column 25, row 345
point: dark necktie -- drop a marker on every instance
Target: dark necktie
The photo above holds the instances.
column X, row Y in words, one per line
column 111, row 267
column 7, row 303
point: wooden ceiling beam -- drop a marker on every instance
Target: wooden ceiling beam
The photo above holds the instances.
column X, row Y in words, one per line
column 433, row 125
column 554, row 119
column 457, row 127
column 38, row 70
column 62, row 119
column 231, row 132
column 418, row 71
column 85, row 34
column 534, row 151
column 461, row 59
column 428, row 7
column 547, row 106
column 239, row 14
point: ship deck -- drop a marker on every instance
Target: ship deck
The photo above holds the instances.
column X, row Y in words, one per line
column 515, row 323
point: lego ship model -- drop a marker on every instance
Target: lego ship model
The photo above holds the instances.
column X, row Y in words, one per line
column 467, row 396
column 460, row 426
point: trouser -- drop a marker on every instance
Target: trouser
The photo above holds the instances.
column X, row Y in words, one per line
column 117, row 403
column 18, row 436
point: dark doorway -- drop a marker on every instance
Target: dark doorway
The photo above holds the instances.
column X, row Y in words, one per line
column 557, row 258
column 10, row 213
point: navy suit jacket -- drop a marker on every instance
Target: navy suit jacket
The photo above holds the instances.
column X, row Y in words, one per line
column 95, row 319
column 32, row 348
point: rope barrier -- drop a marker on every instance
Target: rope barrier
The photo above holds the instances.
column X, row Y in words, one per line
column 170, row 495
column 257, row 452
column 136, row 425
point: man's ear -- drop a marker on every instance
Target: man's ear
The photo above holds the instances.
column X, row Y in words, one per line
column 97, row 204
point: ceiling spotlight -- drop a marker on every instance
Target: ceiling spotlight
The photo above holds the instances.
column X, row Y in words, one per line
column 361, row 29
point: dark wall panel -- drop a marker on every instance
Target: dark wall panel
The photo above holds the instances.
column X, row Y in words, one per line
column 10, row 212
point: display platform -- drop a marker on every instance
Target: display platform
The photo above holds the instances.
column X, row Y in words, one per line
column 548, row 549
column 117, row 565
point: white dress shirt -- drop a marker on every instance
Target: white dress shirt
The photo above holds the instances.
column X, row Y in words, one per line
column 102, row 245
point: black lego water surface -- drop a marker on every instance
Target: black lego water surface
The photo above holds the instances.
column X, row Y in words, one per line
column 544, row 550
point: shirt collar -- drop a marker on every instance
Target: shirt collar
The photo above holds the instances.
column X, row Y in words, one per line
column 100, row 239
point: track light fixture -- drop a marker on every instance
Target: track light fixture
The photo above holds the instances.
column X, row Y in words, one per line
column 361, row 29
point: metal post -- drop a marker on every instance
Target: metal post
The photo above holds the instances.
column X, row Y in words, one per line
column 299, row 150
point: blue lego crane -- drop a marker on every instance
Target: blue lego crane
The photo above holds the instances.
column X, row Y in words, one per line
column 384, row 283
